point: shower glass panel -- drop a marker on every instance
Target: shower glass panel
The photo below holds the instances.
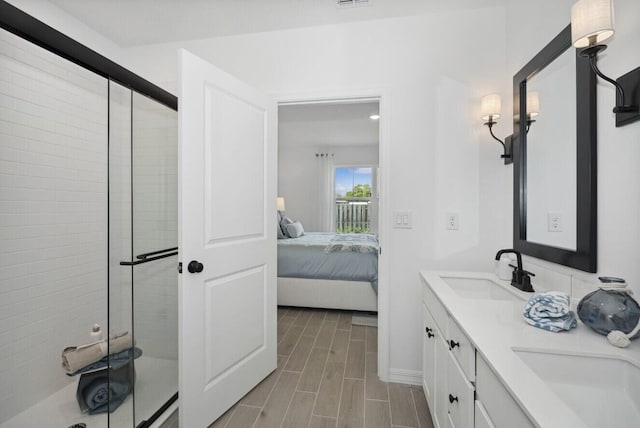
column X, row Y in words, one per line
column 121, row 375
column 155, row 236
column 53, row 230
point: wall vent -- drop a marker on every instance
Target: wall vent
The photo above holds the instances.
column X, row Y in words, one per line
column 347, row 3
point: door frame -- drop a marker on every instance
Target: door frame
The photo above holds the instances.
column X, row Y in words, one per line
column 384, row 214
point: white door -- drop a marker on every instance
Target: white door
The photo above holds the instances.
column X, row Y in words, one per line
column 227, row 219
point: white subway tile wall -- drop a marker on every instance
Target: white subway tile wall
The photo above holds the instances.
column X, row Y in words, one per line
column 53, row 217
column 155, row 216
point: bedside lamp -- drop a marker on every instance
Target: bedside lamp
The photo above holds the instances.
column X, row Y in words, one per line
column 280, row 204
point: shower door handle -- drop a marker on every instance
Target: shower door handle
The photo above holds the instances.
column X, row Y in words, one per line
column 195, row 266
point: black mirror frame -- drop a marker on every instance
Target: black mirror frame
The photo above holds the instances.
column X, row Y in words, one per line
column 585, row 256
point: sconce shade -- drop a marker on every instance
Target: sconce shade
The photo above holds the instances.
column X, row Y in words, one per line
column 490, row 107
column 591, row 22
column 533, row 104
column 280, row 203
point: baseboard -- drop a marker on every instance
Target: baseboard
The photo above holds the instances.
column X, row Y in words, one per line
column 410, row 377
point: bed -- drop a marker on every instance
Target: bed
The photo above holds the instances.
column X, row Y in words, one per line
column 329, row 270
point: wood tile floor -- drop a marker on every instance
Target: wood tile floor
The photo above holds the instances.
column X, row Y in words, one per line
column 327, row 378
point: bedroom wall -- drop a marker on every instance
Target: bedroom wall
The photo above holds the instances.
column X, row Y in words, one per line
column 433, row 72
column 298, row 177
column 618, row 148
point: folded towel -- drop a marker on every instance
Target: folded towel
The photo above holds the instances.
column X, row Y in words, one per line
column 550, row 311
column 114, row 361
column 75, row 358
column 103, row 395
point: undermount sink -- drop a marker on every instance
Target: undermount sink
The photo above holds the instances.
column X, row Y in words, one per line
column 602, row 391
column 481, row 289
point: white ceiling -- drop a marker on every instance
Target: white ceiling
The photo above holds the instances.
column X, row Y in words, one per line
column 137, row 22
column 316, row 125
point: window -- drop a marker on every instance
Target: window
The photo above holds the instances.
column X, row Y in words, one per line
column 353, row 199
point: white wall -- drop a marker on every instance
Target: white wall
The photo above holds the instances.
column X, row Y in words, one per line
column 618, row 148
column 72, row 27
column 433, row 70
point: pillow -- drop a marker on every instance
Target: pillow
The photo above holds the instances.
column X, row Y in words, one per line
column 281, row 234
column 295, row 230
column 283, row 224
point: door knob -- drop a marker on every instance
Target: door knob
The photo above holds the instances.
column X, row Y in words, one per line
column 453, row 344
column 195, row 266
column 429, row 332
column 452, row 399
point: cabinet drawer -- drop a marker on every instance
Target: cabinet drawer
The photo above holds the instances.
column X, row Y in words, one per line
column 438, row 311
column 482, row 418
column 460, row 395
column 497, row 401
column 462, row 349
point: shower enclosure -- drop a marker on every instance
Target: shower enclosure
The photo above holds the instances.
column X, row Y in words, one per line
column 88, row 236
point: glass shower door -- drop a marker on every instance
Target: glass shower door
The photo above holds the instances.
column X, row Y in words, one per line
column 155, row 237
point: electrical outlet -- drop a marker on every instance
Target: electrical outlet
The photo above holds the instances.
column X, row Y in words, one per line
column 452, row 221
column 554, row 222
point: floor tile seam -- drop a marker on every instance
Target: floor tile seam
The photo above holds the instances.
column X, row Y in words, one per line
column 284, row 416
column 355, row 378
column 294, row 346
column 305, row 324
column 340, row 397
column 415, row 406
column 324, row 369
column 307, row 362
column 376, row 399
column 230, row 417
column 266, row 400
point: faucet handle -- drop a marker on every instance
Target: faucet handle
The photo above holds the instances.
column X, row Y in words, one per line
column 526, row 272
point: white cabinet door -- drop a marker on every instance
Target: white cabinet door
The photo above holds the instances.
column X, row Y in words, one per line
column 428, row 355
column 460, row 395
column 227, row 192
column 440, row 390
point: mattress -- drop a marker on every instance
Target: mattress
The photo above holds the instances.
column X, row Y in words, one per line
column 306, row 257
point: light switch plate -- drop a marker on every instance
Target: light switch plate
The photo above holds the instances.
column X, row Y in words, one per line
column 402, row 220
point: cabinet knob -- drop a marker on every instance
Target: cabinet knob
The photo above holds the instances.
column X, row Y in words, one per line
column 453, row 344
column 452, row 399
column 429, row 332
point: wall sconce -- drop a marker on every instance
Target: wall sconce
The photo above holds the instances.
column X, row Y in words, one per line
column 280, row 204
column 490, row 108
column 533, row 107
column 591, row 26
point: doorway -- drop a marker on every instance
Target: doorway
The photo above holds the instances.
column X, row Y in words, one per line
column 319, row 135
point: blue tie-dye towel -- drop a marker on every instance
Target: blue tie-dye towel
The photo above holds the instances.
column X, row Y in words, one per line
column 550, row 311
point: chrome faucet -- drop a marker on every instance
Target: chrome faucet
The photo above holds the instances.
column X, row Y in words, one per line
column 520, row 278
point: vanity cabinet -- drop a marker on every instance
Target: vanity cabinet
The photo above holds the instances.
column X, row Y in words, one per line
column 460, row 387
column 448, row 367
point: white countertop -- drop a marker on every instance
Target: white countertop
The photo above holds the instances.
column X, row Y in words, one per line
column 495, row 327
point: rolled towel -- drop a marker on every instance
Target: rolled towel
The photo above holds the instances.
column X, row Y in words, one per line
column 75, row 358
column 550, row 311
column 103, row 395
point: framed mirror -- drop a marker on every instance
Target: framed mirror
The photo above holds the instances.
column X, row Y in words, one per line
column 555, row 157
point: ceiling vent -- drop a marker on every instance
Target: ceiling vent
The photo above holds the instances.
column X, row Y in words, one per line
column 347, row 3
